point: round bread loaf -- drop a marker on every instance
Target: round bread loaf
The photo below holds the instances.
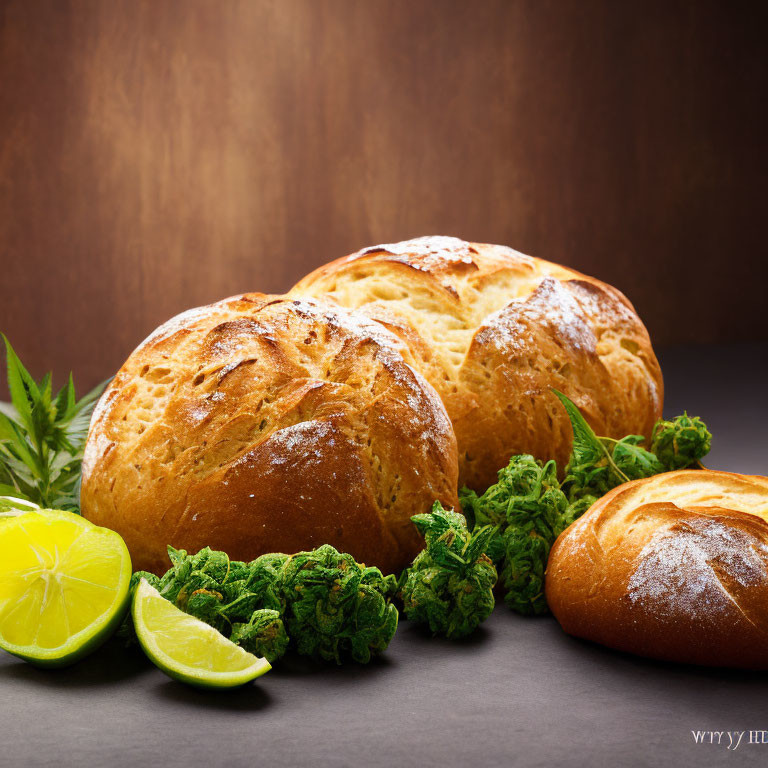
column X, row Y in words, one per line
column 261, row 424
column 493, row 330
column 673, row 567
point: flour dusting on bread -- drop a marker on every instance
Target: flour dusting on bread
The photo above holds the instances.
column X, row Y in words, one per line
column 692, row 567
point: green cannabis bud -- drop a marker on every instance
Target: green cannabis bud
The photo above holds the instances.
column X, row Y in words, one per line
column 521, row 479
column 537, row 511
column 450, row 584
column 682, row 442
column 335, row 607
column 528, row 541
column 209, row 586
column 265, row 581
column 622, row 461
column 522, row 574
column 531, row 510
column 137, row 576
column 263, row 635
column 230, row 596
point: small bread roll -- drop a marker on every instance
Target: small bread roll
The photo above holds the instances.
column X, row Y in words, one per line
column 261, row 424
column 493, row 331
column 673, row 567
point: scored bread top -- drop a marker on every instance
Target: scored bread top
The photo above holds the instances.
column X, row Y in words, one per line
column 674, row 566
column 493, row 330
column 261, row 424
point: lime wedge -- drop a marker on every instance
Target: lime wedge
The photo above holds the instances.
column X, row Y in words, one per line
column 188, row 649
column 63, row 586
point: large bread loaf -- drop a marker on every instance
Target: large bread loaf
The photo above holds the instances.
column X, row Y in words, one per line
column 261, row 424
column 493, row 330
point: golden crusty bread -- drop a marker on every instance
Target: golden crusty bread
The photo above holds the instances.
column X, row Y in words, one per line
column 493, row 330
column 262, row 424
column 673, row 567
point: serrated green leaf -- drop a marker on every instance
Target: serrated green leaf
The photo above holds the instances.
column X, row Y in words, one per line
column 11, row 433
column 79, row 416
column 586, row 445
column 7, row 431
column 89, row 401
column 44, row 389
column 587, row 448
column 24, row 392
column 65, row 400
column 14, row 474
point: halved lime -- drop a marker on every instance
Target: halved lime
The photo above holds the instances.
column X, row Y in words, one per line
column 188, row 649
column 64, row 586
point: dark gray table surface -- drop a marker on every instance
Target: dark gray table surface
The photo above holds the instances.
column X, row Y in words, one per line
column 518, row 693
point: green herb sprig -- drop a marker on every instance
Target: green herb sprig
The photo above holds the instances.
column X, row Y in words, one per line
column 42, row 436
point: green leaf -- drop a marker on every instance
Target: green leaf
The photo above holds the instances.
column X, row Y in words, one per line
column 44, row 388
column 588, row 448
column 24, row 391
column 8, row 429
column 11, row 433
column 14, row 474
column 79, row 418
column 586, row 445
column 87, row 402
column 65, row 400
column 633, row 460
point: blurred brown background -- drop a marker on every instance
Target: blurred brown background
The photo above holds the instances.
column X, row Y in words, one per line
column 161, row 154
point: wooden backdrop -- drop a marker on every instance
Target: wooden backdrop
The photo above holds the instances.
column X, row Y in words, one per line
column 160, row 154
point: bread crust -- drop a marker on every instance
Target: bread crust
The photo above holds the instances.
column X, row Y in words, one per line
column 493, row 331
column 261, row 424
column 673, row 567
